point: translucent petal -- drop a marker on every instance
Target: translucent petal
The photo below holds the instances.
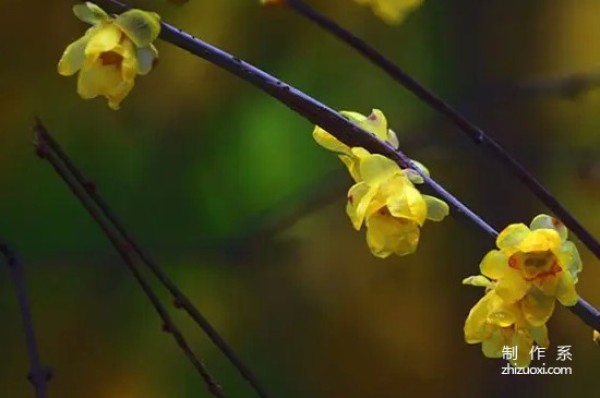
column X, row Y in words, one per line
column 492, row 347
column 376, row 124
column 540, row 335
column 73, row 57
column 494, row 264
column 90, row 13
column 569, row 259
column 511, row 287
column 146, row 59
column 524, row 342
column 511, row 236
column 543, row 221
column 393, row 138
column 359, row 197
column 476, row 327
column 329, row 142
column 477, row 280
column 421, row 167
column 375, row 169
column 565, row 291
column 537, row 307
column 140, row 26
column 437, row 209
column 413, row 176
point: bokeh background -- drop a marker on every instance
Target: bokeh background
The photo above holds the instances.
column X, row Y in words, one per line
column 228, row 191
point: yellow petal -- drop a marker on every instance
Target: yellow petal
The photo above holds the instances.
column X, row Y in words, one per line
column 540, row 335
column 540, row 240
column 73, row 56
column 543, row 221
column 524, row 342
column 511, row 236
column 140, row 26
column 375, row 169
column 90, row 13
column 146, row 59
column 477, row 280
column 537, row 307
column 353, row 166
column 393, row 139
column 407, row 202
column 105, row 80
column 104, row 39
column 359, row 197
column 565, row 291
column 387, row 235
column 511, row 287
column 569, row 259
column 437, row 209
column 329, row 142
column 492, row 347
column 494, row 264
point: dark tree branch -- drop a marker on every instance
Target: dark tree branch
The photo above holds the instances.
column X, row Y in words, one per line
column 333, row 122
column 45, row 150
column 180, row 299
column 477, row 135
column 38, row 375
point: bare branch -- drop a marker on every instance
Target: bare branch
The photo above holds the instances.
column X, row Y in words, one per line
column 45, row 150
column 38, row 375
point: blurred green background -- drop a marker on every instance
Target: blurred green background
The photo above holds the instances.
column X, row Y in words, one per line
column 229, row 192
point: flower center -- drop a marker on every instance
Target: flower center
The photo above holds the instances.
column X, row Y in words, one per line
column 111, row 58
column 535, row 265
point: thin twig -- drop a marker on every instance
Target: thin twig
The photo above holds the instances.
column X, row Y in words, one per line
column 321, row 115
column 477, row 135
column 180, row 299
column 46, row 152
column 38, row 375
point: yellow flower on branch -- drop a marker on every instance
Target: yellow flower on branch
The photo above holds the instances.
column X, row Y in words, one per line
column 392, row 11
column 536, row 264
column 384, row 197
column 111, row 53
column 390, row 206
column 498, row 325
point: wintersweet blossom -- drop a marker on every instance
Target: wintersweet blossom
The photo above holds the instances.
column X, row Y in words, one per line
column 390, row 206
column 111, row 53
column 384, row 197
column 496, row 324
column 376, row 123
column 536, row 264
column 392, row 11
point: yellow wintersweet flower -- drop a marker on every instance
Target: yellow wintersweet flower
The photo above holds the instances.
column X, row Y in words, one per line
column 535, row 264
column 392, row 11
column 497, row 324
column 111, row 53
column 376, row 124
column 596, row 337
column 390, row 206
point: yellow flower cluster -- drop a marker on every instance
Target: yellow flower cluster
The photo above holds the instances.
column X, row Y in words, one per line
column 392, row 11
column 384, row 197
column 111, row 53
column 533, row 267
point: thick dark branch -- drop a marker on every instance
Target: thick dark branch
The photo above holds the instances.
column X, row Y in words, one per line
column 38, row 375
column 315, row 111
column 45, row 151
column 470, row 129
